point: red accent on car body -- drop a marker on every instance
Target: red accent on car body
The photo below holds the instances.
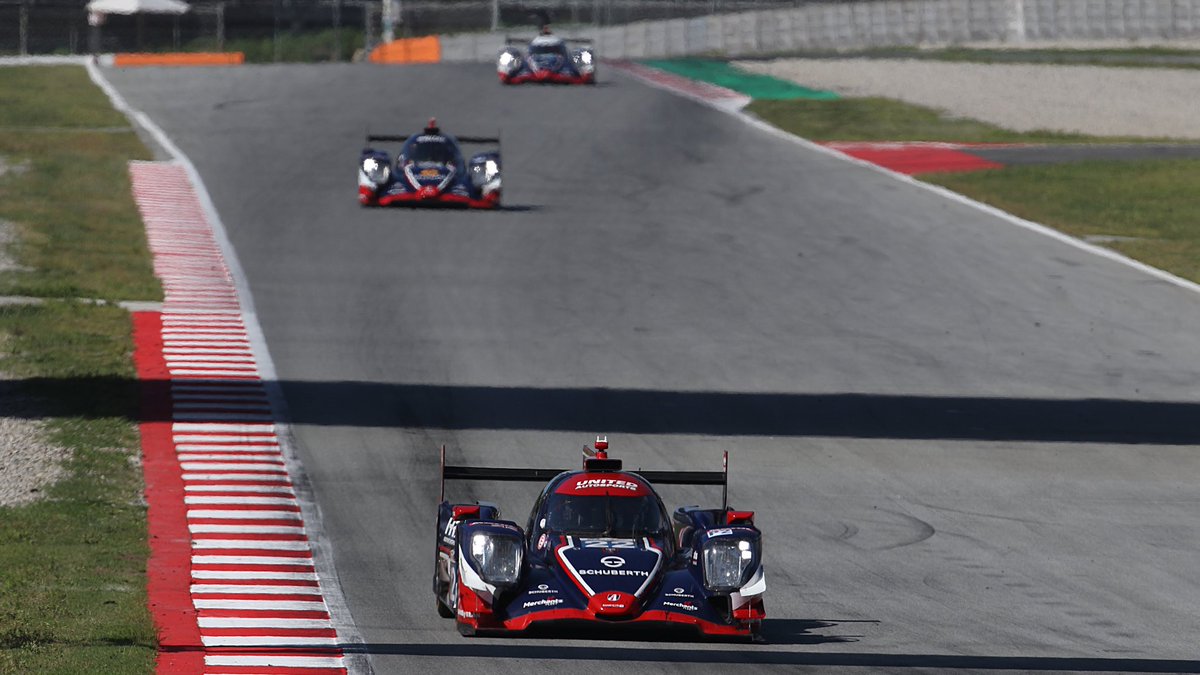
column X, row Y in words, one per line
column 491, row 201
column 548, row 77
column 460, row 512
column 613, row 604
column 656, row 616
column 739, row 517
column 752, row 611
column 601, row 484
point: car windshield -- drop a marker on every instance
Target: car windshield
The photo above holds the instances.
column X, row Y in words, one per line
column 625, row 517
column 432, row 152
column 547, row 49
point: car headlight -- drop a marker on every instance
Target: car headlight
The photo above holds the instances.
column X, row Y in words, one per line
column 491, row 169
column 377, row 172
column 497, row 559
column 507, row 62
column 586, row 57
column 728, row 562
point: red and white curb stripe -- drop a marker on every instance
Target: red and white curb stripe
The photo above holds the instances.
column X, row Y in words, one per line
column 233, row 584
column 696, row 90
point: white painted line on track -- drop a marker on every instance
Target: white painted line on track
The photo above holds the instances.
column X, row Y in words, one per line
column 259, row 660
column 194, row 457
column 265, row 489
column 225, row 447
column 256, row 590
column 193, row 477
column 228, row 466
column 265, row 622
column 217, row 529
column 235, row 575
column 285, row 605
column 249, row 544
column 224, row 428
column 215, row 500
column 267, row 640
column 216, row 559
column 242, row 514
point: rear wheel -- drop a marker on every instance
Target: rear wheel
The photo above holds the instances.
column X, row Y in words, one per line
column 444, row 611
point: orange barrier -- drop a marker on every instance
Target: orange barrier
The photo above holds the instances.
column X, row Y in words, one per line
column 409, row 50
column 179, row 59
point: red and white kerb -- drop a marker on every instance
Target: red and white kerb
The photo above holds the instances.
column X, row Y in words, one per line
column 232, row 583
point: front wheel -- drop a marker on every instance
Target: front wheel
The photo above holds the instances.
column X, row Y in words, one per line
column 444, row 611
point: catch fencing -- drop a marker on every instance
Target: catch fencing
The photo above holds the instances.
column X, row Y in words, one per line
column 474, row 29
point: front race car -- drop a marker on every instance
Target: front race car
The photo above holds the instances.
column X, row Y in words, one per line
column 599, row 549
column 429, row 171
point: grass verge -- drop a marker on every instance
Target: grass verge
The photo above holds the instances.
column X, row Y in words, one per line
column 67, row 189
column 882, row 119
column 1146, row 210
column 73, row 565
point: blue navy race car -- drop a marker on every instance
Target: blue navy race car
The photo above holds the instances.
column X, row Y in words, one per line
column 429, row 171
column 548, row 59
column 598, row 547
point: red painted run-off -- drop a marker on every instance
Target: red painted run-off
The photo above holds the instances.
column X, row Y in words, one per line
column 232, row 583
column 169, row 568
column 916, row 158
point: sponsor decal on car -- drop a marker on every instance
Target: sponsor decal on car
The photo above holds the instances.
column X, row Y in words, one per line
column 612, row 561
column 615, row 573
column 430, row 173
column 542, row 589
column 544, row 602
column 542, row 540
column 608, row 543
column 686, row 606
column 615, row 483
column 678, row 593
column 720, row 532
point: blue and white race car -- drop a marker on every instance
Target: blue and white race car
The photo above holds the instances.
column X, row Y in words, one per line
column 548, row 59
column 598, row 547
column 429, row 171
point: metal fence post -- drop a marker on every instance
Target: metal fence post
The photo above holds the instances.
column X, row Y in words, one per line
column 337, row 30
column 24, row 29
column 220, row 26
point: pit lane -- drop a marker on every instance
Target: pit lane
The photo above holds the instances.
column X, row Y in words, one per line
column 969, row 445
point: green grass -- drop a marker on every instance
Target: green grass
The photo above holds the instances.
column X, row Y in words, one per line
column 1154, row 202
column 80, row 233
column 881, row 119
column 72, row 566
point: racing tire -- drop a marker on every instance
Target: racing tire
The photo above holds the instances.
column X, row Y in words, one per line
column 465, row 629
column 444, row 611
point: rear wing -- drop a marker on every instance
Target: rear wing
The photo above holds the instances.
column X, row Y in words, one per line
column 509, row 41
column 400, row 138
column 459, row 472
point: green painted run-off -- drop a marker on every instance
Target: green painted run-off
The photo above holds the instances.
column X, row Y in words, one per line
column 721, row 73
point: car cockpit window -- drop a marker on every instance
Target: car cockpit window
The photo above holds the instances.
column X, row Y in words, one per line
column 603, row 515
column 432, row 152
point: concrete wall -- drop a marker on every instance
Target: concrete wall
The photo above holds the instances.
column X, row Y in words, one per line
column 882, row 23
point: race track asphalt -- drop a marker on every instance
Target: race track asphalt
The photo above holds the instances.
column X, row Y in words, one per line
column 971, row 447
